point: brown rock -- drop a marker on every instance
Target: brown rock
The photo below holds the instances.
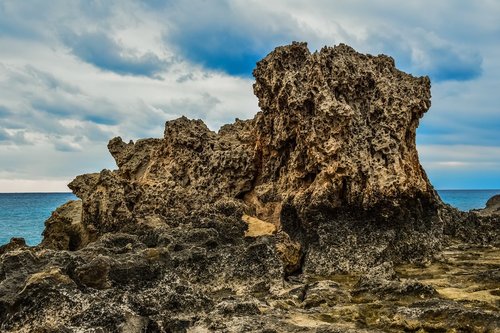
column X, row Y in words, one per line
column 14, row 244
column 492, row 206
column 246, row 229
column 64, row 230
column 336, row 134
column 338, row 127
column 94, row 274
column 330, row 161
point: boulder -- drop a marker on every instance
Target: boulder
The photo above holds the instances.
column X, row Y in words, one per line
column 492, row 206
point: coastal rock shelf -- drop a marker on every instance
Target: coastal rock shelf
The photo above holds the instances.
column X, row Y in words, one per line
column 315, row 215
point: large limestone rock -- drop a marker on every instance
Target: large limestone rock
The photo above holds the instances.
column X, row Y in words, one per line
column 248, row 229
column 338, row 127
column 330, row 160
column 336, row 142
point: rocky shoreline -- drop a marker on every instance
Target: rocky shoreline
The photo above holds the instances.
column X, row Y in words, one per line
column 315, row 216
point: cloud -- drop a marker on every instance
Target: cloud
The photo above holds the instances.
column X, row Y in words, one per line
column 4, row 111
column 50, row 81
column 85, row 131
column 43, row 161
column 449, row 125
column 425, row 53
column 452, row 164
column 463, row 156
column 222, row 49
column 185, row 77
column 13, row 137
column 4, row 136
column 443, row 60
column 13, row 25
column 51, row 110
column 99, row 111
column 75, row 74
column 461, row 166
column 102, row 51
column 198, row 107
column 224, row 35
column 34, row 185
column 67, row 146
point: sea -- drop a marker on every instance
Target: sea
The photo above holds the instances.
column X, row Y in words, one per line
column 24, row 214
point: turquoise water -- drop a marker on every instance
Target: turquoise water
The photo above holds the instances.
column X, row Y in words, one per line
column 24, row 214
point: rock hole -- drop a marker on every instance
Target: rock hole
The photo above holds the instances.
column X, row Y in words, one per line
column 344, row 190
column 309, row 106
column 310, row 177
column 299, row 269
column 241, row 195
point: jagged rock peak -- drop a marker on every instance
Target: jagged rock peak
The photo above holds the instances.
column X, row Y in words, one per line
column 345, row 117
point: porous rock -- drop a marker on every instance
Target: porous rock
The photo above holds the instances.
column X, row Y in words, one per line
column 204, row 231
column 330, row 160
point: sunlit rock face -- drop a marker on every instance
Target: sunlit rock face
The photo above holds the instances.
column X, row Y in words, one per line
column 336, row 142
column 330, row 160
column 339, row 126
column 315, row 216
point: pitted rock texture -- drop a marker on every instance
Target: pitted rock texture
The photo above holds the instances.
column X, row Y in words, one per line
column 331, row 154
column 243, row 230
column 338, row 127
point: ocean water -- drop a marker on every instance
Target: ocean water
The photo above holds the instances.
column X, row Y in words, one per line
column 24, row 214
column 467, row 199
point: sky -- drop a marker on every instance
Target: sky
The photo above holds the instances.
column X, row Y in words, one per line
column 76, row 73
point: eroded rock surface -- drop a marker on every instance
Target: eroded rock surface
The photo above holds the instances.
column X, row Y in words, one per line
column 492, row 207
column 242, row 230
column 331, row 154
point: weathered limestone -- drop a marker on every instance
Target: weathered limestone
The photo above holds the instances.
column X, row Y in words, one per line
column 299, row 220
column 330, row 160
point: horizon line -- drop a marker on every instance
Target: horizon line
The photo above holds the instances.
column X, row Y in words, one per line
column 67, row 192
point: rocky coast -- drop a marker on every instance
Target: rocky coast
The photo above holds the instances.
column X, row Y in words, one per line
column 314, row 216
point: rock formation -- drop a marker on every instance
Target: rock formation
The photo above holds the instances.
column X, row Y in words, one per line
column 331, row 154
column 213, row 230
column 492, row 206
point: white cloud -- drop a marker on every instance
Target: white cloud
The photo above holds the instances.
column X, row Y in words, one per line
column 30, row 185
